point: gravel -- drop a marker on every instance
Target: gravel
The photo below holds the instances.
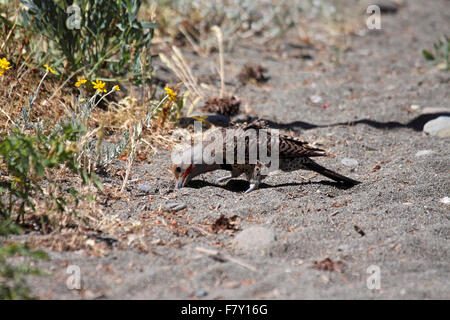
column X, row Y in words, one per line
column 399, row 205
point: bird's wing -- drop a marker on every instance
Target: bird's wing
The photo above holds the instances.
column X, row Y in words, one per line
column 244, row 141
column 291, row 147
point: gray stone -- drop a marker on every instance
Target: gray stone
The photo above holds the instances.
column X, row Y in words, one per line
column 438, row 127
column 254, row 239
column 349, row 162
column 201, row 293
column 422, row 153
column 145, row 188
column 174, row 206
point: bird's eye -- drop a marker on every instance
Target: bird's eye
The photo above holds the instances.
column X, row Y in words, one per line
column 178, row 169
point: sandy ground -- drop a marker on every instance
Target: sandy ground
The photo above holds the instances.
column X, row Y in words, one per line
column 289, row 224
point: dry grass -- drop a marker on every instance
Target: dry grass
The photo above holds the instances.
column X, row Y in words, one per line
column 82, row 224
column 119, row 113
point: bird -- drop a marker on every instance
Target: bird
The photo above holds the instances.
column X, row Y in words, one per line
column 293, row 154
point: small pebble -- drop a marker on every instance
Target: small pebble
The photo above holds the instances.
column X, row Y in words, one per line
column 438, row 127
column 145, row 188
column 315, row 99
column 174, row 206
column 424, row 153
column 201, row 293
column 254, row 238
column 349, row 162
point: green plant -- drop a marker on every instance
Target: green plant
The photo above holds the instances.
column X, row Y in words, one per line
column 12, row 281
column 27, row 158
column 441, row 54
column 93, row 35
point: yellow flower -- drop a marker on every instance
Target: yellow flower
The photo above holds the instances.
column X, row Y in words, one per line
column 80, row 81
column 116, row 87
column 49, row 69
column 99, row 85
column 4, row 64
column 172, row 95
column 2, row 71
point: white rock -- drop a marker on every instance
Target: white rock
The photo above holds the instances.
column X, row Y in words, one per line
column 254, row 238
column 415, row 107
column 173, row 206
column 315, row 99
column 424, row 153
column 438, row 127
column 349, row 162
column 445, row 200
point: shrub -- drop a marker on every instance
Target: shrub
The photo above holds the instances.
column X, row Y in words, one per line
column 108, row 36
column 12, row 281
column 27, row 157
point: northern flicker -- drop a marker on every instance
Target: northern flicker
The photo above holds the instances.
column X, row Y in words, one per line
column 293, row 154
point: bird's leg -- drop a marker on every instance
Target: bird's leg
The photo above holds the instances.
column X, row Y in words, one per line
column 253, row 186
column 254, row 180
column 226, row 178
column 234, row 173
column 254, row 177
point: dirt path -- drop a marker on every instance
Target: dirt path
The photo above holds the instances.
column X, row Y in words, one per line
column 288, row 225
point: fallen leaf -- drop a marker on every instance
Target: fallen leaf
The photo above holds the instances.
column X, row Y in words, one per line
column 338, row 205
column 328, row 265
column 225, row 223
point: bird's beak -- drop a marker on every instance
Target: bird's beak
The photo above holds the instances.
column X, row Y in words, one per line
column 184, row 178
column 180, row 183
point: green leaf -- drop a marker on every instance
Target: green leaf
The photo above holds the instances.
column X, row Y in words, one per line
column 149, row 25
column 428, row 55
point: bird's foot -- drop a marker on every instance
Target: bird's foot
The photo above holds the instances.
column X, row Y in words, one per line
column 224, row 179
column 253, row 187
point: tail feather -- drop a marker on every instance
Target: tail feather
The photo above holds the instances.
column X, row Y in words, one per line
column 330, row 174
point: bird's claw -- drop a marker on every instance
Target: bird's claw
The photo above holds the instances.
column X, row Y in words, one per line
column 253, row 187
column 223, row 179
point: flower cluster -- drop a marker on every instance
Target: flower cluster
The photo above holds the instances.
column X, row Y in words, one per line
column 49, row 69
column 97, row 84
column 4, row 65
column 80, row 81
column 171, row 94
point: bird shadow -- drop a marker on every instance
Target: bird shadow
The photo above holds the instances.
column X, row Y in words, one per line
column 415, row 124
column 240, row 186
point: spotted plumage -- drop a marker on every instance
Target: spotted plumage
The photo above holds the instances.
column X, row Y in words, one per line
column 293, row 154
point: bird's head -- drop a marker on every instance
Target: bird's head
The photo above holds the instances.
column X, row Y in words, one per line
column 189, row 164
column 183, row 174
